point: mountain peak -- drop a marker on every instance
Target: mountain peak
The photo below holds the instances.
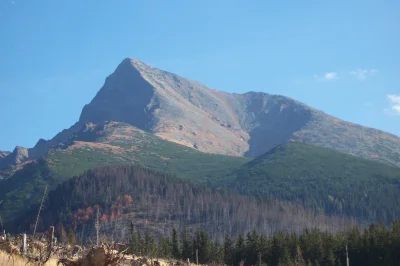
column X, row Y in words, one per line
column 19, row 155
column 129, row 63
column 250, row 124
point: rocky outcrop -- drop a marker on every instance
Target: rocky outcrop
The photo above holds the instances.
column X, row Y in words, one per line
column 19, row 155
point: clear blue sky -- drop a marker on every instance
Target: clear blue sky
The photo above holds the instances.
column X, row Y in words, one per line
column 339, row 56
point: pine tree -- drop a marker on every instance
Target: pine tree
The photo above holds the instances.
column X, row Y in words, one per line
column 252, row 247
column 186, row 245
column 240, row 249
column 149, row 244
column 165, row 247
column 176, row 253
column 229, row 251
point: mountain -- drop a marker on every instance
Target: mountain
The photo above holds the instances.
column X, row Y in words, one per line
column 321, row 178
column 250, row 124
column 186, row 112
column 161, row 121
column 109, row 143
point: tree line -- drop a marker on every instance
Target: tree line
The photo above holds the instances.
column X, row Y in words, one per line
column 375, row 246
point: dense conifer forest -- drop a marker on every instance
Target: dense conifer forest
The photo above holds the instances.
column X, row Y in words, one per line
column 375, row 246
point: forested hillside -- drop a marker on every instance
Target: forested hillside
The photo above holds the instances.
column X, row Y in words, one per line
column 321, row 178
column 159, row 202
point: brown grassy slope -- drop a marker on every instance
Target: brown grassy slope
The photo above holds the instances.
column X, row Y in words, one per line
column 6, row 260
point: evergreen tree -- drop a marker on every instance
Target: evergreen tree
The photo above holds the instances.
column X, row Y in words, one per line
column 229, row 251
column 240, row 249
column 252, row 247
column 149, row 244
column 186, row 246
column 176, row 253
column 165, row 247
column 203, row 246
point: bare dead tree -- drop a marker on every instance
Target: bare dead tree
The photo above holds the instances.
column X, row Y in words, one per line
column 40, row 209
column 97, row 226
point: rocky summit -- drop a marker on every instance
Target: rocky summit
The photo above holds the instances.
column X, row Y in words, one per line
column 249, row 124
column 187, row 112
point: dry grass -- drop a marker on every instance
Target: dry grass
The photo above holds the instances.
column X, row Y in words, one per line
column 6, row 260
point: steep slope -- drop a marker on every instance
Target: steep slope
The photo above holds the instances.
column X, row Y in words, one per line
column 108, row 143
column 170, row 106
column 322, row 178
column 249, row 124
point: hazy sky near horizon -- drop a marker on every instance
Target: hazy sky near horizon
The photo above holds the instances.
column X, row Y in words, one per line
column 338, row 56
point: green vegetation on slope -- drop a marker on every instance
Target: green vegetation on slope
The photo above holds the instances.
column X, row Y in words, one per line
column 27, row 185
column 322, row 178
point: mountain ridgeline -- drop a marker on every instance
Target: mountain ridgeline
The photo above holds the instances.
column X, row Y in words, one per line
column 249, row 124
column 189, row 113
